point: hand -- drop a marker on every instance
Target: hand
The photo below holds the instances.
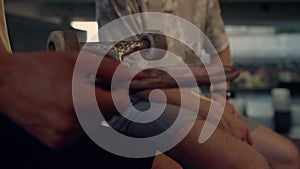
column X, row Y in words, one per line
column 220, row 98
column 235, row 126
column 36, row 93
column 230, row 121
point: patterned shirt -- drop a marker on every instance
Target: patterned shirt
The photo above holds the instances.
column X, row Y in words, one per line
column 205, row 14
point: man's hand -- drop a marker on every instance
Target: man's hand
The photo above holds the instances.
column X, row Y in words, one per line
column 36, row 93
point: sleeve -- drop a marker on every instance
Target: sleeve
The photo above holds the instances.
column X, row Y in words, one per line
column 214, row 28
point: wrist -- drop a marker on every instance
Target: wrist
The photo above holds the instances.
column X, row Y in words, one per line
column 223, row 92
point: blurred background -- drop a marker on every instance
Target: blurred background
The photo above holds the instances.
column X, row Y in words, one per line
column 264, row 38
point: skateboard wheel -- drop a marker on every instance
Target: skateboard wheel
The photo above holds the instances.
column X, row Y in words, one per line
column 63, row 40
column 156, row 41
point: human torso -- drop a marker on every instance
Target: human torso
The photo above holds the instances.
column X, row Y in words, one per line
column 194, row 11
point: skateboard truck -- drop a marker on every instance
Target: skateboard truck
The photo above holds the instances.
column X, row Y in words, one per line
column 67, row 40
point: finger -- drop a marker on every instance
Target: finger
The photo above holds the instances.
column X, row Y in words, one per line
column 249, row 138
column 244, row 137
column 109, row 106
column 102, row 70
column 235, row 133
column 243, row 131
column 89, row 62
column 234, row 111
column 111, row 67
column 107, row 66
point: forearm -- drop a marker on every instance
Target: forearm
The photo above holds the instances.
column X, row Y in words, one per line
column 223, row 58
column 174, row 96
column 109, row 106
column 37, row 93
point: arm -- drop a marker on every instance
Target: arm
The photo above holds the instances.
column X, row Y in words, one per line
column 215, row 32
column 229, row 123
column 173, row 96
column 223, row 58
column 36, row 93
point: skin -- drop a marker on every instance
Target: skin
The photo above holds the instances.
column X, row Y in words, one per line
column 220, row 151
column 163, row 161
column 278, row 150
column 229, row 121
column 45, row 109
column 36, row 93
column 278, row 153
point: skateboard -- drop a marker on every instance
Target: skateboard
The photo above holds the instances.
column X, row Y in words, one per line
column 148, row 78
